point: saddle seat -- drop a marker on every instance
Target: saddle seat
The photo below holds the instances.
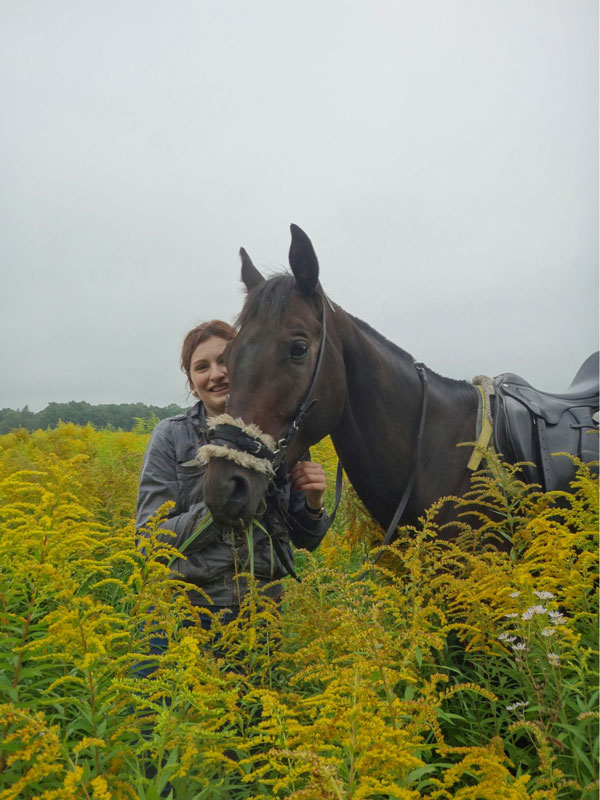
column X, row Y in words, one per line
column 531, row 425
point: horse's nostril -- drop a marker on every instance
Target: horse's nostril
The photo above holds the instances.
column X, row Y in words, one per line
column 238, row 496
column 232, row 493
column 240, row 488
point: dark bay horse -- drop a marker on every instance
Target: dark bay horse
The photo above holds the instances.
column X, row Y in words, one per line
column 296, row 350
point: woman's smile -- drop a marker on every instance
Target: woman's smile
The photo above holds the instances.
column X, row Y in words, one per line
column 220, row 389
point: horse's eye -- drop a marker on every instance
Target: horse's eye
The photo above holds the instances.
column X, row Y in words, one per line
column 298, row 350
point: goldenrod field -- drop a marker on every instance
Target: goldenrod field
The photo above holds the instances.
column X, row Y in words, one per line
column 448, row 671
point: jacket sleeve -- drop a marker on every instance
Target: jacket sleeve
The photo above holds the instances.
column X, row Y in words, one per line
column 307, row 531
column 159, row 484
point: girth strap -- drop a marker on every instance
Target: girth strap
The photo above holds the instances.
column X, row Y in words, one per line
column 545, row 452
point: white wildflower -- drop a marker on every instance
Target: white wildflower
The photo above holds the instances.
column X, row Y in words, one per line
column 556, row 617
column 511, row 616
column 519, row 647
column 530, row 613
column 514, row 594
column 518, row 704
column 554, row 659
column 544, row 595
column 506, row 637
column 548, row 631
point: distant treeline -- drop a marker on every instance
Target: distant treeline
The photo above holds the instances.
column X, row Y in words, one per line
column 125, row 416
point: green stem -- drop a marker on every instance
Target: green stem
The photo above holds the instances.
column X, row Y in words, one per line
column 92, row 700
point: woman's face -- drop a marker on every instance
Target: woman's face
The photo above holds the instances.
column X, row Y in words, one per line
column 208, row 375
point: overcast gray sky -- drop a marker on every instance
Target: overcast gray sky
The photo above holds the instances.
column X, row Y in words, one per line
column 441, row 154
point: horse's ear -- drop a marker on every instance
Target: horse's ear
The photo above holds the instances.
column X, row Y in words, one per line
column 303, row 261
column 250, row 275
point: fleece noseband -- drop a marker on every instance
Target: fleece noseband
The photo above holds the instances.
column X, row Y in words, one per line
column 246, row 445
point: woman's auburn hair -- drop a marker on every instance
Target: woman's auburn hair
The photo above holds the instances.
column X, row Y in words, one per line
column 199, row 334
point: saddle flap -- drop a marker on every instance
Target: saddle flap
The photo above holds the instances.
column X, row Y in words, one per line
column 536, row 426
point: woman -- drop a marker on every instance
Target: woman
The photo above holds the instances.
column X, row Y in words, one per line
column 215, row 558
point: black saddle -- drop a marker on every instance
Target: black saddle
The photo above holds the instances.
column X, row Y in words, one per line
column 530, row 425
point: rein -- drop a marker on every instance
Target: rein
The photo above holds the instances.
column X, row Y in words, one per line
column 411, row 480
column 413, row 474
column 250, row 447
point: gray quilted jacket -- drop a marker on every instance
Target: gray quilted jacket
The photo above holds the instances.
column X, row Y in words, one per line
column 213, row 559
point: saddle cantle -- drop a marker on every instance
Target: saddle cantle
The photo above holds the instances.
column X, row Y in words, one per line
column 530, row 425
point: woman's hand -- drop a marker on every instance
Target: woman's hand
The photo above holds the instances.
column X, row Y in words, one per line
column 309, row 477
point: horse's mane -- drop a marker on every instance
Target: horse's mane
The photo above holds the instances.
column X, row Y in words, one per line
column 268, row 300
column 380, row 338
column 366, row 328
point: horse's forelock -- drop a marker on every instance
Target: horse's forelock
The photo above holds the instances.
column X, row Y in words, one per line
column 267, row 301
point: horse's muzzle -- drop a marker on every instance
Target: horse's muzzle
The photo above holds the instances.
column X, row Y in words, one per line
column 232, row 493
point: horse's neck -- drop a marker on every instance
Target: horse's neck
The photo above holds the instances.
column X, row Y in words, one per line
column 376, row 435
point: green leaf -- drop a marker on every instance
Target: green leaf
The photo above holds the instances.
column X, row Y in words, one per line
column 420, row 771
column 205, row 523
column 418, row 655
column 583, row 758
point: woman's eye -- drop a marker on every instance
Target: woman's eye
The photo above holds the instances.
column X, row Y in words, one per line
column 298, row 350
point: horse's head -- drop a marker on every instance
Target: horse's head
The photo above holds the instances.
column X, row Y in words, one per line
column 272, row 364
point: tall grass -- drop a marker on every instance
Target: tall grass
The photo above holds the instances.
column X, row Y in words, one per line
column 450, row 670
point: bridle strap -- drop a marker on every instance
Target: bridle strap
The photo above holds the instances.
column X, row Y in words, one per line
column 306, row 405
column 309, row 402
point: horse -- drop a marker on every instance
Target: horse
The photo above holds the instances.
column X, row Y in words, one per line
column 302, row 368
